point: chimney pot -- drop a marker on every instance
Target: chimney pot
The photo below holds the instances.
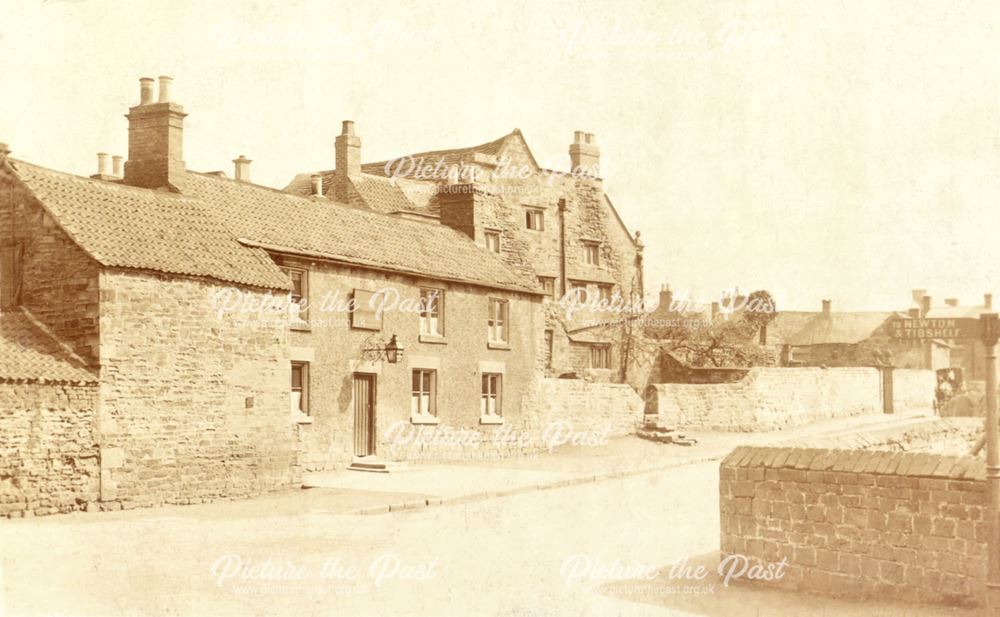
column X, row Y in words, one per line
column 317, row 184
column 347, row 127
column 103, row 161
column 145, row 90
column 590, row 138
column 925, row 306
column 715, row 310
column 918, row 295
column 242, row 168
column 951, row 301
column 914, row 313
column 826, row 307
column 116, row 165
column 987, row 298
column 165, row 82
column 578, row 137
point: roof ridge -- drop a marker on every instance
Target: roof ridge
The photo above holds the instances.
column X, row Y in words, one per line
column 120, row 186
column 449, row 150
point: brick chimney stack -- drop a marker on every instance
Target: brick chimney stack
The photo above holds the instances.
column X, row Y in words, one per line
column 584, row 155
column 925, row 306
column 241, row 167
column 666, row 298
column 826, row 308
column 951, row 301
column 155, row 138
column 348, row 151
column 988, row 301
column 4, row 152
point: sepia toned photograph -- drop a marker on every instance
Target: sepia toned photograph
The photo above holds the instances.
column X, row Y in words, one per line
column 507, row 309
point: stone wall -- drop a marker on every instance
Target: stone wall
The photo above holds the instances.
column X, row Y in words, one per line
column 195, row 407
column 590, row 407
column 500, row 203
column 48, row 451
column 913, row 390
column 890, row 525
column 335, row 351
column 782, row 397
column 770, row 399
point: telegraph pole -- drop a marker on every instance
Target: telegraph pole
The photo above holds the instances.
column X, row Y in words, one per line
column 991, row 330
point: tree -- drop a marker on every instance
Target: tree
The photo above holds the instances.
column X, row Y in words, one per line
column 759, row 311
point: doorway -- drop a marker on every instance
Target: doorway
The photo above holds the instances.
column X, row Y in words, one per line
column 364, row 414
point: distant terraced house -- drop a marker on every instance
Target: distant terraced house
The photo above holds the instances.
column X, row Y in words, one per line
column 149, row 353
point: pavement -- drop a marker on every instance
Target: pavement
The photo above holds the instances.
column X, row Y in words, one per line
column 410, row 486
column 578, row 549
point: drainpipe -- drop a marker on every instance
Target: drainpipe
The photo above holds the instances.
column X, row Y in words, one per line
column 562, row 245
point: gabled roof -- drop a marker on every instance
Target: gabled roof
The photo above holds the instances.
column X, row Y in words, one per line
column 315, row 226
column 29, row 352
column 384, row 191
column 448, row 158
column 955, row 312
column 840, row 327
column 122, row 226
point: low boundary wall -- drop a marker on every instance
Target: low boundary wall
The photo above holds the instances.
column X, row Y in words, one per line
column 775, row 398
column 856, row 523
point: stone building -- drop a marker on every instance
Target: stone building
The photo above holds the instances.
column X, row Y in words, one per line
column 179, row 336
column 559, row 229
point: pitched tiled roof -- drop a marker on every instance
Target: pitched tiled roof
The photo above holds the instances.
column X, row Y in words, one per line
column 316, row 226
column 122, row 226
column 28, row 352
column 840, row 328
column 379, row 193
column 448, row 158
column 403, row 192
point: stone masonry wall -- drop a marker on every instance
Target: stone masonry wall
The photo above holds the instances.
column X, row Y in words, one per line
column 48, row 450
column 335, row 352
column 913, row 389
column 771, row 399
column 890, row 525
column 591, row 407
column 501, row 202
column 194, row 407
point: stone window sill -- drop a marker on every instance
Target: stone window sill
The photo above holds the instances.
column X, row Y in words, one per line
column 498, row 345
column 301, row 418
column 435, row 339
column 300, row 326
column 488, row 419
column 423, row 419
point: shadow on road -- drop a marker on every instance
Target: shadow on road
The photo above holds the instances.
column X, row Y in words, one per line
column 678, row 587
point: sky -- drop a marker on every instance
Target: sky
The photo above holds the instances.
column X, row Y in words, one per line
column 819, row 150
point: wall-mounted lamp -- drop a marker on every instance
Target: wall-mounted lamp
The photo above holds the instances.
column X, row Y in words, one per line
column 393, row 351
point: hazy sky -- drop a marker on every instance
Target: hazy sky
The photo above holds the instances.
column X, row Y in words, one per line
column 843, row 150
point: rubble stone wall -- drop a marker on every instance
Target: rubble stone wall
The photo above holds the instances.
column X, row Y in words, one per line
column 48, row 451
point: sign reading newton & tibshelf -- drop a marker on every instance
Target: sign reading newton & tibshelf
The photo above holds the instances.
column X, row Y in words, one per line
column 958, row 328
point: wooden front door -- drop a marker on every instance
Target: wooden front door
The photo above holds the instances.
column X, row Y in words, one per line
column 364, row 414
